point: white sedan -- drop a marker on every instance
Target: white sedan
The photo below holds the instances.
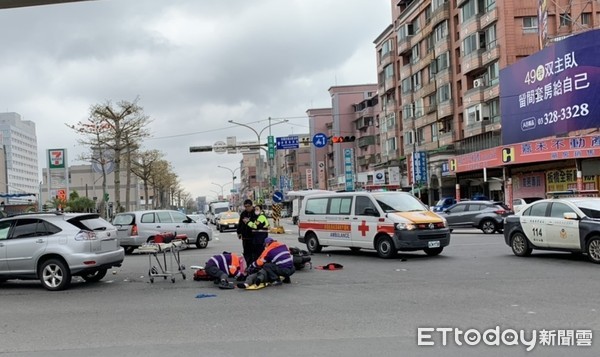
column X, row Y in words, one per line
column 567, row 224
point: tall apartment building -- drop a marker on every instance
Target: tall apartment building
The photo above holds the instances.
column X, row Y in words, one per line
column 439, row 65
column 344, row 123
column 20, row 145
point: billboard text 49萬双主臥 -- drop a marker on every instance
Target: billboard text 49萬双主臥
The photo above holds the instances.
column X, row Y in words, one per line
column 554, row 91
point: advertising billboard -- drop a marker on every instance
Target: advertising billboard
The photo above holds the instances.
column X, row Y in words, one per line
column 552, row 92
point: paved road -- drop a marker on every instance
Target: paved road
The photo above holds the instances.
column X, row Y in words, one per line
column 371, row 306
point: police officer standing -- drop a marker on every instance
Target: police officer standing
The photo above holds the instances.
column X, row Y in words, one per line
column 260, row 231
column 244, row 231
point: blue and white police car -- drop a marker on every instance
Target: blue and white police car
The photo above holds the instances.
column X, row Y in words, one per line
column 566, row 224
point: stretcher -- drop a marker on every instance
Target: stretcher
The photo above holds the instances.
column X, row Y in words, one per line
column 166, row 258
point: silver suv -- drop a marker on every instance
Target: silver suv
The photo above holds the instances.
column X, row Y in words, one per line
column 53, row 247
column 139, row 227
column 485, row 215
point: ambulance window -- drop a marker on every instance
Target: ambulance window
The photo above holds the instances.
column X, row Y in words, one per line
column 538, row 209
column 316, row 206
column 362, row 204
column 340, row 205
column 559, row 209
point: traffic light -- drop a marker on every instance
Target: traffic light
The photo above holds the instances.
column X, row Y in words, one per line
column 342, row 139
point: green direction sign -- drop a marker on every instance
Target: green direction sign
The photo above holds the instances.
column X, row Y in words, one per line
column 271, row 146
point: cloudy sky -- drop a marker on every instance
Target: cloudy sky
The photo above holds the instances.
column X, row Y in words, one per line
column 194, row 64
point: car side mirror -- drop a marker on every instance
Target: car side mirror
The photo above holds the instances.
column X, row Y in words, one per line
column 570, row 215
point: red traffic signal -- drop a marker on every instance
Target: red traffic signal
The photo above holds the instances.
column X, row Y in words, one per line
column 343, row 139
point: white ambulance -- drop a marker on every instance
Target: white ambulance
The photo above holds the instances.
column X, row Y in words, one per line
column 385, row 221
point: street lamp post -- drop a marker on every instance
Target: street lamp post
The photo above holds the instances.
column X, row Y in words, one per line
column 221, row 186
column 258, row 135
column 233, row 199
column 233, row 177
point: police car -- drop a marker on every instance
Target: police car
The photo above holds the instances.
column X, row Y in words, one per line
column 567, row 224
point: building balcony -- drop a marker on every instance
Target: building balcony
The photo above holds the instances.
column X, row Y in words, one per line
column 442, row 46
column 489, row 17
column 428, row 88
column 445, row 109
column 446, row 138
column 476, row 128
column 366, row 112
column 385, row 60
column 431, row 108
column 491, row 92
column 442, row 77
column 491, row 54
column 473, row 96
column 406, row 71
column 366, row 160
column 406, row 97
column 470, row 26
column 390, row 83
column 440, row 14
column 471, row 62
column 404, row 45
column 366, row 141
column 427, row 145
column 425, row 120
column 423, row 62
column 460, row 2
column 494, row 125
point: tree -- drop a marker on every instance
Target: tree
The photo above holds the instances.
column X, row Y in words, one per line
column 94, row 131
column 127, row 127
column 143, row 167
column 111, row 131
column 162, row 180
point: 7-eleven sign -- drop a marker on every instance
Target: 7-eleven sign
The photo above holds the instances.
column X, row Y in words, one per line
column 56, row 159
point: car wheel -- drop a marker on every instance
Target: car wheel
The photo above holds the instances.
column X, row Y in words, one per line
column 220, row 229
column 94, row 276
column 129, row 249
column 488, row 226
column 312, row 243
column 519, row 245
column 385, row 248
column 202, row 241
column 593, row 250
column 54, row 275
column 355, row 249
column 433, row 251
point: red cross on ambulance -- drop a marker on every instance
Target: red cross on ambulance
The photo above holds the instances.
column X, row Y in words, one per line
column 363, row 228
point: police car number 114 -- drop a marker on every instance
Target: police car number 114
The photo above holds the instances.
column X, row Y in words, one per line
column 433, row 244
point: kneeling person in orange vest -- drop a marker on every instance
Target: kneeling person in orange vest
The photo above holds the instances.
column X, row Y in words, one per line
column 223, row 266
column 274, row 262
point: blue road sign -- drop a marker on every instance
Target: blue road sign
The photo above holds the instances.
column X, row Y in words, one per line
column 287, row 142
column 320, row 140
column 277, row 196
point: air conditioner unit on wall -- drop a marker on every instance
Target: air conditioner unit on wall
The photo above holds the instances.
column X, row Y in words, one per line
column 478, row 83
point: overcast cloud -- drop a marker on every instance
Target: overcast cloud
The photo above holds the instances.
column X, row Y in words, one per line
column 195, row 64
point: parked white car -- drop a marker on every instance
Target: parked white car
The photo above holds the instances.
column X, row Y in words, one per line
column 519, row 203
column 139, row 227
